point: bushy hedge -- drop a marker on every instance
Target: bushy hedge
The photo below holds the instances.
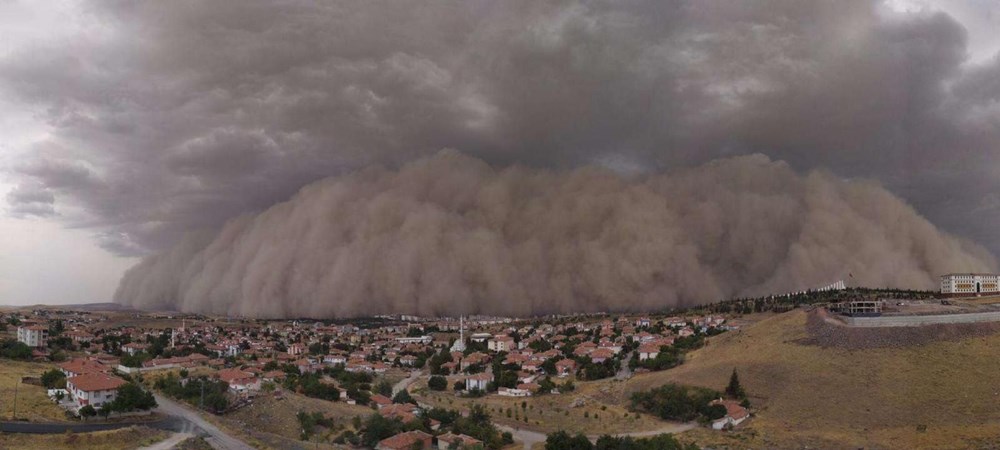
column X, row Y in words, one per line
column 676, row 402
column 563, row 441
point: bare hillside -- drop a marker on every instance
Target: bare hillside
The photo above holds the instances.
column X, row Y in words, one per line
column 942, row 394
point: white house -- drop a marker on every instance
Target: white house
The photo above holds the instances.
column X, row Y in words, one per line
column 480, row 337
column 33, row 336
column 334, row 359
column 93, row 389
column 239, row 381
column 415, row 340
column 735, row 414
column 133, row 347
column 648, row 351
column 513, row 392
column 478, row 381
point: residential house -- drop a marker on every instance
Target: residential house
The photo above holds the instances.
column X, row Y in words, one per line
column 410, row 440
column 93, row 389
column 478, row 381
column 735, row 414
column 449, row 440
column 239, row 381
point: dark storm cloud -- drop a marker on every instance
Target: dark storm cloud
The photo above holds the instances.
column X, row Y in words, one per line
column 169, row 117
column 449, row 235
column 31, row 200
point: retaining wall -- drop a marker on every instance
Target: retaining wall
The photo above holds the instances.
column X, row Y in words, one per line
column 910, row 321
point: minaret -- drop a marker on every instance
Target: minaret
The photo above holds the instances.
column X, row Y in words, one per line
column 459, row 345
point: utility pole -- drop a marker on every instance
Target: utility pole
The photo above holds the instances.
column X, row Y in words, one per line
column 14, row 413
column 202, row 393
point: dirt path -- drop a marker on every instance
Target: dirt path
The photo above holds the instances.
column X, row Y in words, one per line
column 169, row 443
column 406, row 382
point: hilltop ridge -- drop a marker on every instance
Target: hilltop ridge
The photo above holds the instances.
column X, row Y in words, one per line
column 936, row 394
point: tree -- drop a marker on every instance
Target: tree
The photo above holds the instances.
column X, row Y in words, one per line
column 437, row 383
column 549, row 366
column 131, row 397
column 378, row 428
column 12, row 349
column 87, row 411
column 403, row 397
column 57, row 328
column 561, row 440
column 734, row 389
column 54, row 379
column 383, row 388
column 676, row 402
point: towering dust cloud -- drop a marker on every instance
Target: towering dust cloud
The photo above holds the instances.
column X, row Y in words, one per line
column 448, row 235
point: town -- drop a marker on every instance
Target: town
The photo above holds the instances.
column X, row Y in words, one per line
column 387, row 382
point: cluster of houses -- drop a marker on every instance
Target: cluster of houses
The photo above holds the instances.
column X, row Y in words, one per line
column 245, row 353
column 417, row 439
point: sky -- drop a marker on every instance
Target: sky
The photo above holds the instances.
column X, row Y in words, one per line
column 126, row 126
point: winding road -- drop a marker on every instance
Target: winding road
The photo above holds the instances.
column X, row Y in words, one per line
column 217, row 438
column 406, row 382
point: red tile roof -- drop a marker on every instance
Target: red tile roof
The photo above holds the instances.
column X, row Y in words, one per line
column 405, row 440
column 82, row 366
column 95, row 382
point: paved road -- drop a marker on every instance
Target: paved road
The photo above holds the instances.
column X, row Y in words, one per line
column 529, row 437
column 169, row 424
column 406, row 382
column 217, row 438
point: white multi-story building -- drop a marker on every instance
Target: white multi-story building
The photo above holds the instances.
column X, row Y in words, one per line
column 416, row 340
column 501, row 343
column 970, row 283
column 33, row 336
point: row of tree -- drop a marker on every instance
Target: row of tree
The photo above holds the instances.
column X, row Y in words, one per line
column 204, row 392
column 564, row 441
column 476, row 424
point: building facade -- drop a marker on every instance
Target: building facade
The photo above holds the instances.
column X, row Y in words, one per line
column 94, row 389
column 33, row 336
column 970, row 284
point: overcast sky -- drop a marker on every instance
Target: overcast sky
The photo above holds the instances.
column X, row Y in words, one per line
column 125, row 125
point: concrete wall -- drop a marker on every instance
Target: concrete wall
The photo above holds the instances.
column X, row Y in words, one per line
column 909, row 321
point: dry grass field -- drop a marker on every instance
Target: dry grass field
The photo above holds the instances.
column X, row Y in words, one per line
column 124, row 439
column 32, row 402
column 592, row 414
column 939, row 395
column 276, row 417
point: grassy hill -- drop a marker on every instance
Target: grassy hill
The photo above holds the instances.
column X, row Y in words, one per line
column 941, row 395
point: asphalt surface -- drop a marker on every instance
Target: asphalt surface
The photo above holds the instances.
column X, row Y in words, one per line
column 215, row 437
column 179, row 419
column 170, row 423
